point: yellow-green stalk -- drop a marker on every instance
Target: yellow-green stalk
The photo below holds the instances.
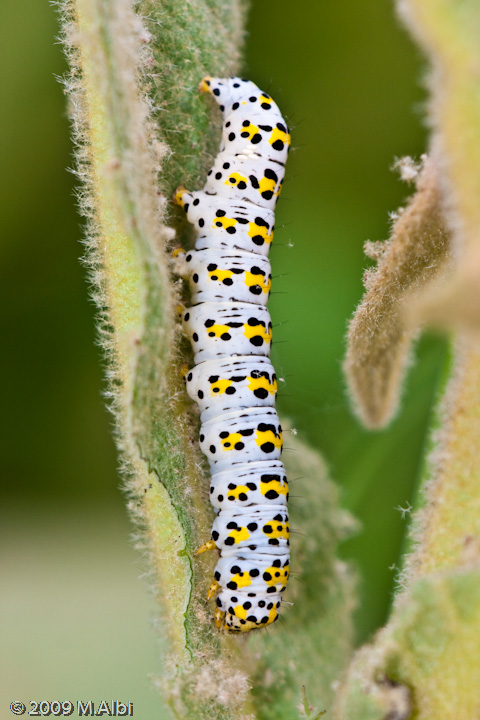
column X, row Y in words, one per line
column 425, row 663
column 141, row 128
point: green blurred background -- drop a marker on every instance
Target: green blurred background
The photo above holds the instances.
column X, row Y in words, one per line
column 76, row 620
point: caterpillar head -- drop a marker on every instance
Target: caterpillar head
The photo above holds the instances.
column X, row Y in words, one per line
column 237, row 93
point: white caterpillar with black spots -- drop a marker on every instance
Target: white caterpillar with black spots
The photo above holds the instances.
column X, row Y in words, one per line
column 233, row 381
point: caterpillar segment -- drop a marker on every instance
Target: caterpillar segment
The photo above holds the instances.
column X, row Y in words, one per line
column 233, row 381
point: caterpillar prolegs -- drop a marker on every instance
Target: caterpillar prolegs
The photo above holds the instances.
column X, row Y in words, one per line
column 233, row 380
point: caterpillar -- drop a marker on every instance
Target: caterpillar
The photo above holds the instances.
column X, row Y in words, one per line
column 233, row 381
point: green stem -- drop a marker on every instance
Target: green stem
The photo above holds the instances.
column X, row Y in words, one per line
column 114, row 71
column 424, row 663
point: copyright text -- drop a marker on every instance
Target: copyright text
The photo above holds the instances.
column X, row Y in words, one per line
column 65, row 708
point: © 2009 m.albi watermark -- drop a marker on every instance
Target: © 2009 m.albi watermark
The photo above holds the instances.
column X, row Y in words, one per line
column 82, row 708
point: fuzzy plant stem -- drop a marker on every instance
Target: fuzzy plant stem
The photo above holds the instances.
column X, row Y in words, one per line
column 425, row 663
column 379, row 336
column 141, row 129
column 119, row 158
